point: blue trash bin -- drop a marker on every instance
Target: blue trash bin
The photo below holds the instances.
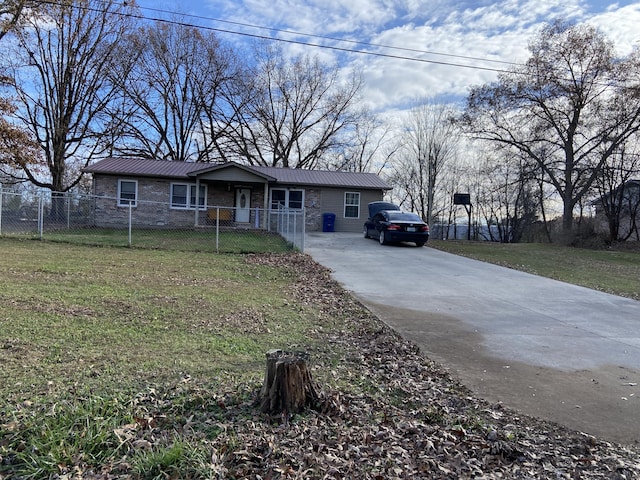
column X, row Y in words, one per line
column 328, row 222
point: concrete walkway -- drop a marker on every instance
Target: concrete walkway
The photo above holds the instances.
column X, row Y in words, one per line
column 546, row 348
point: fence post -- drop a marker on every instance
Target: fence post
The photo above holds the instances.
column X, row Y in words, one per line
column 281, row 219
column 0, row 209
column 130, row 215
column 68, row 195
column 41, row 215
column 217, row 229
column 295, row 227
column 303, row 229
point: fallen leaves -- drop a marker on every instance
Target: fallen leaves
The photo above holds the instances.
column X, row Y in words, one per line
column 386, row 412
column 413, row 420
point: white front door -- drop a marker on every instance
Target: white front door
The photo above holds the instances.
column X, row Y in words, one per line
column 243, row 205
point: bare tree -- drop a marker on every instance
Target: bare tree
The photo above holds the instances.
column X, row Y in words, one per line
column 571, row 97
column 506, row 195
column 617, row 188
column 459, row 177
column 289, row 113
column 171, row 77
column 370, row 149
column 60, row 76
column 11, row 12
column 429, row 142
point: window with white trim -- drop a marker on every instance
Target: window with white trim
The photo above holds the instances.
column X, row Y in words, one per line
column 285, row 198
column 127, row 193
column 201, row 201
column 183, row 195
column 352, row 205
column 295, row 199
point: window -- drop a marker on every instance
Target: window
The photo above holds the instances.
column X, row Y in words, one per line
column 202, row 196
column 281, row 198
column 295, row 199
column 179, row 196
column 127, row 192
column 278, row 199
column 183, row 195
column 352, row 205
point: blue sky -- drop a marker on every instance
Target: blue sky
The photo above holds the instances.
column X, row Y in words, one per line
column 473, row 33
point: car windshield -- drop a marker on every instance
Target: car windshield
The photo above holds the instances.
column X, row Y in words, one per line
column 403, row 217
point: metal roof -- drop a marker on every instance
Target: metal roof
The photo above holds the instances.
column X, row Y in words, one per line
column 298, row 176
column 144, row 167
column 288, row 176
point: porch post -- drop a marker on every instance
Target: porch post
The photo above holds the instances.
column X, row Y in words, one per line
column 197, row 200
column 265, row 217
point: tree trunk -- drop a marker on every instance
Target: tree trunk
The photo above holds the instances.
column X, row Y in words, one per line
column 287, row 387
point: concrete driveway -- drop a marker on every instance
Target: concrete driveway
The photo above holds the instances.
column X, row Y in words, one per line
column 545, row 348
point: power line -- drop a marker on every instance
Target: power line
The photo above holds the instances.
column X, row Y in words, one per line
column 330, row 47
column 324, row 37
column 300, row 42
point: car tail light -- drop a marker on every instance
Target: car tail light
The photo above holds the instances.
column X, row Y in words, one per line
column 393, row 226
column 424, row 228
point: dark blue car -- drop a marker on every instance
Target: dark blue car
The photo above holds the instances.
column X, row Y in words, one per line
column 390, row 226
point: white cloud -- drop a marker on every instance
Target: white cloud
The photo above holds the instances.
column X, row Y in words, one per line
column 482, row 29
column 621, row 26
column 517, row 14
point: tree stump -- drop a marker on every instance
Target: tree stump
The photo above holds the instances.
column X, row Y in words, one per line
column 287, row 387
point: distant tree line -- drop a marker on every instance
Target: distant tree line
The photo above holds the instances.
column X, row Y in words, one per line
column 559, row 131
column 87, row 79
column 566, row 121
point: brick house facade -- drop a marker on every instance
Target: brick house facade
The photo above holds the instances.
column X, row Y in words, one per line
column 164, row 193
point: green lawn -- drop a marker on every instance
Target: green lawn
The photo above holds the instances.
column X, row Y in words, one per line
column 124, row 359
column 72, row 313
column 204, row 240
column 616, row 272
column 92, row 333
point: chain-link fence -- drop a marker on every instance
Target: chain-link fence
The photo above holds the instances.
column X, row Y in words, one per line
column 99, row 220
column 455, row 231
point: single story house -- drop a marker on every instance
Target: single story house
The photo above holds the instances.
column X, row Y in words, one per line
column 167, row 193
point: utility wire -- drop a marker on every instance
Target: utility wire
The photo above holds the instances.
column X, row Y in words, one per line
column 300, row 42
column 329, row 47
column 324, row 37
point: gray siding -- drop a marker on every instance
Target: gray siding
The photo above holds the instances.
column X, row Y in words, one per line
column 333, row 202
column 235, row 175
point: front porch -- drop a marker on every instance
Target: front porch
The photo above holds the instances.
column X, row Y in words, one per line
column 288, row 223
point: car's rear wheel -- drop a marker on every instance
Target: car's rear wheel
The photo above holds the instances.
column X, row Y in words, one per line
column 365, row 232
column 419, row 244
column 383, row 240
